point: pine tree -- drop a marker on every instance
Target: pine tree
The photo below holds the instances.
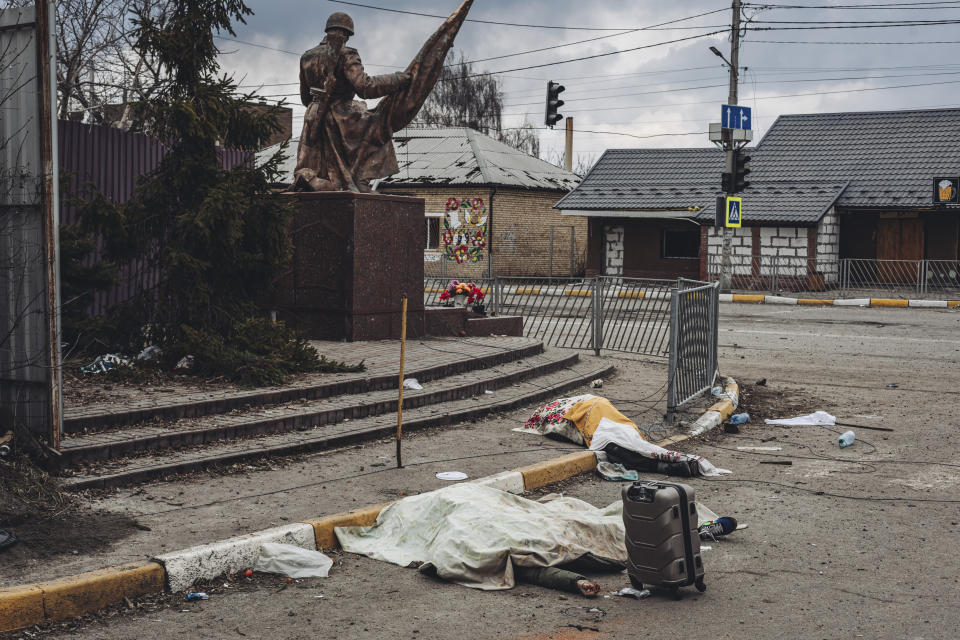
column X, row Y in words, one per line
column 217, row 235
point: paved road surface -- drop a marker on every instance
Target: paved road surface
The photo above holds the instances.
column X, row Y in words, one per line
column 842, row 544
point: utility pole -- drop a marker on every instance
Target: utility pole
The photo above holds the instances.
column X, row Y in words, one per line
column 725, row 270
column 568, row 147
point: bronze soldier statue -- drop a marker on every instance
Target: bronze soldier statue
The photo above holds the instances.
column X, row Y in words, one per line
column 345, row 145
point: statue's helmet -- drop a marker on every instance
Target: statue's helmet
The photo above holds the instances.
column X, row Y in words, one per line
column 340, row 20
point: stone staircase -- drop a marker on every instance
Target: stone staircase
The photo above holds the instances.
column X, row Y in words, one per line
column 115, row 444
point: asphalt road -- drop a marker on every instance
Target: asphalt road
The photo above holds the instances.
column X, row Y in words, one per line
column 859, row 542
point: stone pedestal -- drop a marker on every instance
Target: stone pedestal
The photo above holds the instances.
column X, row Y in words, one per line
column 354, row 256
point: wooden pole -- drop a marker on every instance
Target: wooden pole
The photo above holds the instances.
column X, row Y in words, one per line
column 403, row 354
column 568, row 147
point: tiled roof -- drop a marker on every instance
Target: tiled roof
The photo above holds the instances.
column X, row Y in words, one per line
column 464, row 156
column 458, row 156
column 889, row 157
column 884, row 159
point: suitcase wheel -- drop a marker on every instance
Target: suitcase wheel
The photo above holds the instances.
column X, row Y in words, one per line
column 700, row 585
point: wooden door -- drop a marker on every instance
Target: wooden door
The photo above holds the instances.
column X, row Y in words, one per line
column 901, row 240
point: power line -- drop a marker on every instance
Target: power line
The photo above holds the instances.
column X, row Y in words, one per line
column 895, row 6
column 855, row 26
column 927, row 42
column 508, row 24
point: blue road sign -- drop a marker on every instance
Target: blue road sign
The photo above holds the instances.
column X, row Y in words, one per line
column 734, row 116
column 734, row 217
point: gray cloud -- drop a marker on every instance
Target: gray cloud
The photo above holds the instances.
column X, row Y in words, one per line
column 387, row 40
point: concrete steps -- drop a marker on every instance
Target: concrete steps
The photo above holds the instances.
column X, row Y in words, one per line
column 151, row 451
column 436, row 364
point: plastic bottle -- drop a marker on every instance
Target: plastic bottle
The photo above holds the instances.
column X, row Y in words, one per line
column 198, row 596
column 739, row 418
column 846, row 439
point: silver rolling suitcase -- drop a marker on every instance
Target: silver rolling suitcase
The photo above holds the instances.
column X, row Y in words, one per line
column 663, row 546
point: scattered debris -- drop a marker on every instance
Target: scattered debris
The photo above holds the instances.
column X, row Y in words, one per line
column 292, row 561
column 488, row 392
column 411, row 383
column 7, row 539
column 637, row 594
column 785, row 463
column 815, row 419
column 893, row 385
column 105, row 363
column 184, row 364
column 616, row 472
column 198, row 596
column 739, row 418
column 731, row 428
column 762, row 382
column 759, row 448
column 846, row 439
column 452, row 475
column 597, row 384
column 150, row 353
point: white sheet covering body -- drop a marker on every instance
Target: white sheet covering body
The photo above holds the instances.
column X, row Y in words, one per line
column 624, row 435
column 817, row 418
column 474, row 535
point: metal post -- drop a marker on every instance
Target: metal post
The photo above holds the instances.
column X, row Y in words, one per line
column 674, row 356
column 573, row 232
column 716, row 330
column 596, row 307
column 568, row 147
column 725, row 270
column 403, row 354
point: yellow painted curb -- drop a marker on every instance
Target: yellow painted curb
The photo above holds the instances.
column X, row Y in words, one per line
column 578, row 293
column 724, row 408
column 748, row 297
column 632, row 294
column 20, row 607
column 888, row 302
column 953, row 303
column 522, row 290
column 543, row 473
column 75, row 595
column 323, row 527
column 813, row 301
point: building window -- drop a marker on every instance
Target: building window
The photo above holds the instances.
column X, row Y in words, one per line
column 433, row 232
column 680, row 244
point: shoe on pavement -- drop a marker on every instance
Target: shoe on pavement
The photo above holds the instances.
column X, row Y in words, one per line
column 717, row 528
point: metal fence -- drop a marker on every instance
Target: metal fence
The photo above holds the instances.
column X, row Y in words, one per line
column 694, row 319
column 826, row 277
column 659, row 318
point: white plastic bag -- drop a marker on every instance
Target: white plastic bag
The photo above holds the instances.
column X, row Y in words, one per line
column 411, row 383
column 292, row 561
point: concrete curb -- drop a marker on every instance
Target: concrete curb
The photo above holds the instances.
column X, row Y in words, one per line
column 750, row 298
column 715, row 415
column 27, row 605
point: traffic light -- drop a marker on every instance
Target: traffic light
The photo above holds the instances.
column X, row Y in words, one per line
column 553, row 103
column 741, row 168
column 726, row 182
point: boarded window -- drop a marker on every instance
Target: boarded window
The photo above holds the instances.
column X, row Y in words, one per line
column 680, row 244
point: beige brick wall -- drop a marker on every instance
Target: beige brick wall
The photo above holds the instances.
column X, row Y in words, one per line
column 521, row 224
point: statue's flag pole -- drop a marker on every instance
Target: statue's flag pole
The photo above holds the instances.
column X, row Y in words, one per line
column 403, row 353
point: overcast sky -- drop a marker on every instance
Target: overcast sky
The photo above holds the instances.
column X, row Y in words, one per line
column 676, row 88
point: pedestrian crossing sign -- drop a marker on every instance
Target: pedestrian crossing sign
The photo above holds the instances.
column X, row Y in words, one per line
column 734, row 212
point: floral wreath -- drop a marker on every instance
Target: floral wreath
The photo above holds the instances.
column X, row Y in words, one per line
column 461, row 245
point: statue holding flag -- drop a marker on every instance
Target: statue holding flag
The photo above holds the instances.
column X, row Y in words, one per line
column 345, row 145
